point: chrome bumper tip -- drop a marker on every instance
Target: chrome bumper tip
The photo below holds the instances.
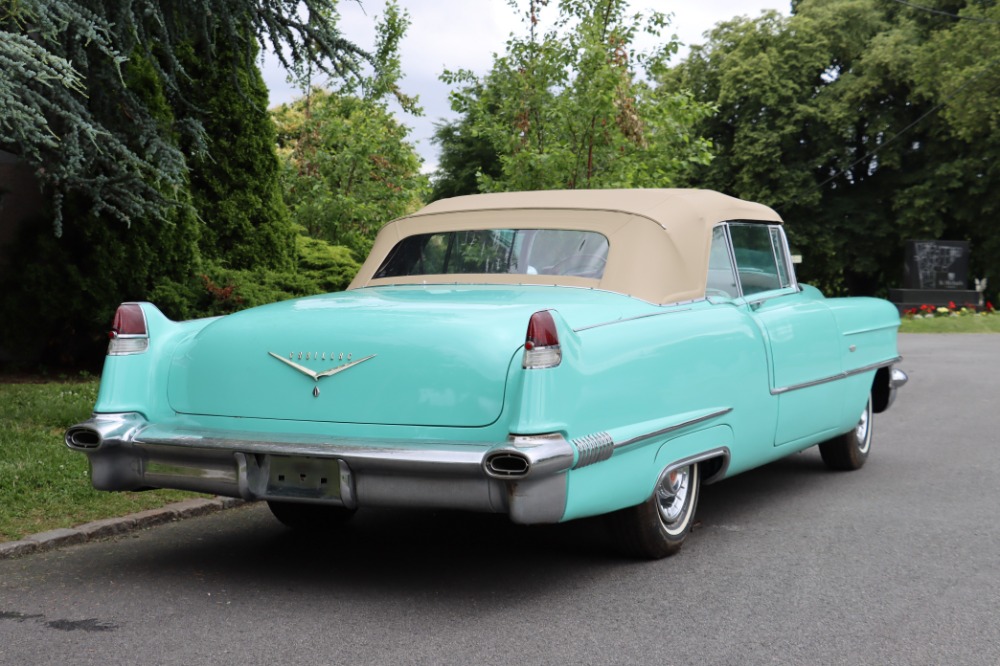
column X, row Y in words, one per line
column 897, row 378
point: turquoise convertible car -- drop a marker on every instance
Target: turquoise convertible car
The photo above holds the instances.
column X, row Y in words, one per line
column 547, row 355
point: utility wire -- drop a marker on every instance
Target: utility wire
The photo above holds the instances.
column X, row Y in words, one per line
column 944, row 13
column 937, row 107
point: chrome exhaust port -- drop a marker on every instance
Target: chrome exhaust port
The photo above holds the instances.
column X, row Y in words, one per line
column 83, row 438
column 506, row 465
column 103, row 430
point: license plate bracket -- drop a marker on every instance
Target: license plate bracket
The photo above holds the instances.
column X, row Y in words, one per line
column 300, row 478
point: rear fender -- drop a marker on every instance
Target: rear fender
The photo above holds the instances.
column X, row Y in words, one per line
column 630, row 475
column 710, row 447
column 538, row 395
column 137, row 382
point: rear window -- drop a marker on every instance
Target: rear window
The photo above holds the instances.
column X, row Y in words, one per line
column 499, row 251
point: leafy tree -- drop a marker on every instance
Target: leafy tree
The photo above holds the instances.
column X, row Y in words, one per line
column 146, row 126
column 463, row 156
column 956, row 69
column 571, row 108
column 348, row 167
column 820, row 118
column 67, row 108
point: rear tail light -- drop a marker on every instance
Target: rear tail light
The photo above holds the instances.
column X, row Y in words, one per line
column 128, row 334
column 541, row 344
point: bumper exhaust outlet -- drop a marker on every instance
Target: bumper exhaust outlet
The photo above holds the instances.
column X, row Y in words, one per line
column 103, row 430
column 507, row 464
column 82, row 438
column 529, row 456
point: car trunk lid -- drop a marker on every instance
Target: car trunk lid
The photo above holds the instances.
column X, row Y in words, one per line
column 426, row 356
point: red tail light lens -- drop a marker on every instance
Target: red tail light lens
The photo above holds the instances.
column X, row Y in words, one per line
column 541, row 344
column 128, row 334
column 129, row 320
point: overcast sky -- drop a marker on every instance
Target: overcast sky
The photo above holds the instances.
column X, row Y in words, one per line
column 454, row 34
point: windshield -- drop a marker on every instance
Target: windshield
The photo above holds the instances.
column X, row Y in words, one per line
column 499, row 251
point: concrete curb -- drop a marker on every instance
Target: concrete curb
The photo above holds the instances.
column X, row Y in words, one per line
column 102, row 529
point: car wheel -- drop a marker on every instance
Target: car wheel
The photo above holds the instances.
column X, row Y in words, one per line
column 658, row 527
column 850, row 450
column 309, row 516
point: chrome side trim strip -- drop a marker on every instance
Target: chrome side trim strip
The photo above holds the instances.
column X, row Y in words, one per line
column 722, row 451
column 837, row 377
column 677, row 426
column 593, row 449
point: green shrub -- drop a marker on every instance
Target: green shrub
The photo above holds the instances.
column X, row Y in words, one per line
column 216, row 290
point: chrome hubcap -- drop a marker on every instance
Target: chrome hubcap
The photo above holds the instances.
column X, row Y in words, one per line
column 671, row 495
column 861, row 431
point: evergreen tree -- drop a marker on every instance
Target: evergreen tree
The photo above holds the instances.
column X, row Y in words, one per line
column 235, row 183
column 145, row 122
column 60, row 292
column 67, row 109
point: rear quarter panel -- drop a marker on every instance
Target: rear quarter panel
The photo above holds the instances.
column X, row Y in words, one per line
column 137, row 382
column 869, row 328
column 635, row 377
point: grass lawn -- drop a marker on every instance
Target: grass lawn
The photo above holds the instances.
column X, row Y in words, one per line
column 44, row 485
column 963, row 324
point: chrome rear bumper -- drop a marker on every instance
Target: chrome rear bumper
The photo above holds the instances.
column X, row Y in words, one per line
column 128, row 453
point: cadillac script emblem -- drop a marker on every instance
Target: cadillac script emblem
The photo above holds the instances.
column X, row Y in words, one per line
column 316, row 376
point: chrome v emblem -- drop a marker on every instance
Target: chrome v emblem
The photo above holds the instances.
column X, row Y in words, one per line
column 316, row 376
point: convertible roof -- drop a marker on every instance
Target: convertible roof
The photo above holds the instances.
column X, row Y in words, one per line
column 670, row 208
column 659, row 238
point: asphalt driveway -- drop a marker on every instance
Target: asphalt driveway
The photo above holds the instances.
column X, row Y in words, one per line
column 897, row 563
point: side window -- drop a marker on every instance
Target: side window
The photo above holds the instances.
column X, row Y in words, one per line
column 721, row 275
column 756, row 261
column 778, row 243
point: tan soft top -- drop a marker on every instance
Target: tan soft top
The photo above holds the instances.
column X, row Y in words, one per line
column 659, row 240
